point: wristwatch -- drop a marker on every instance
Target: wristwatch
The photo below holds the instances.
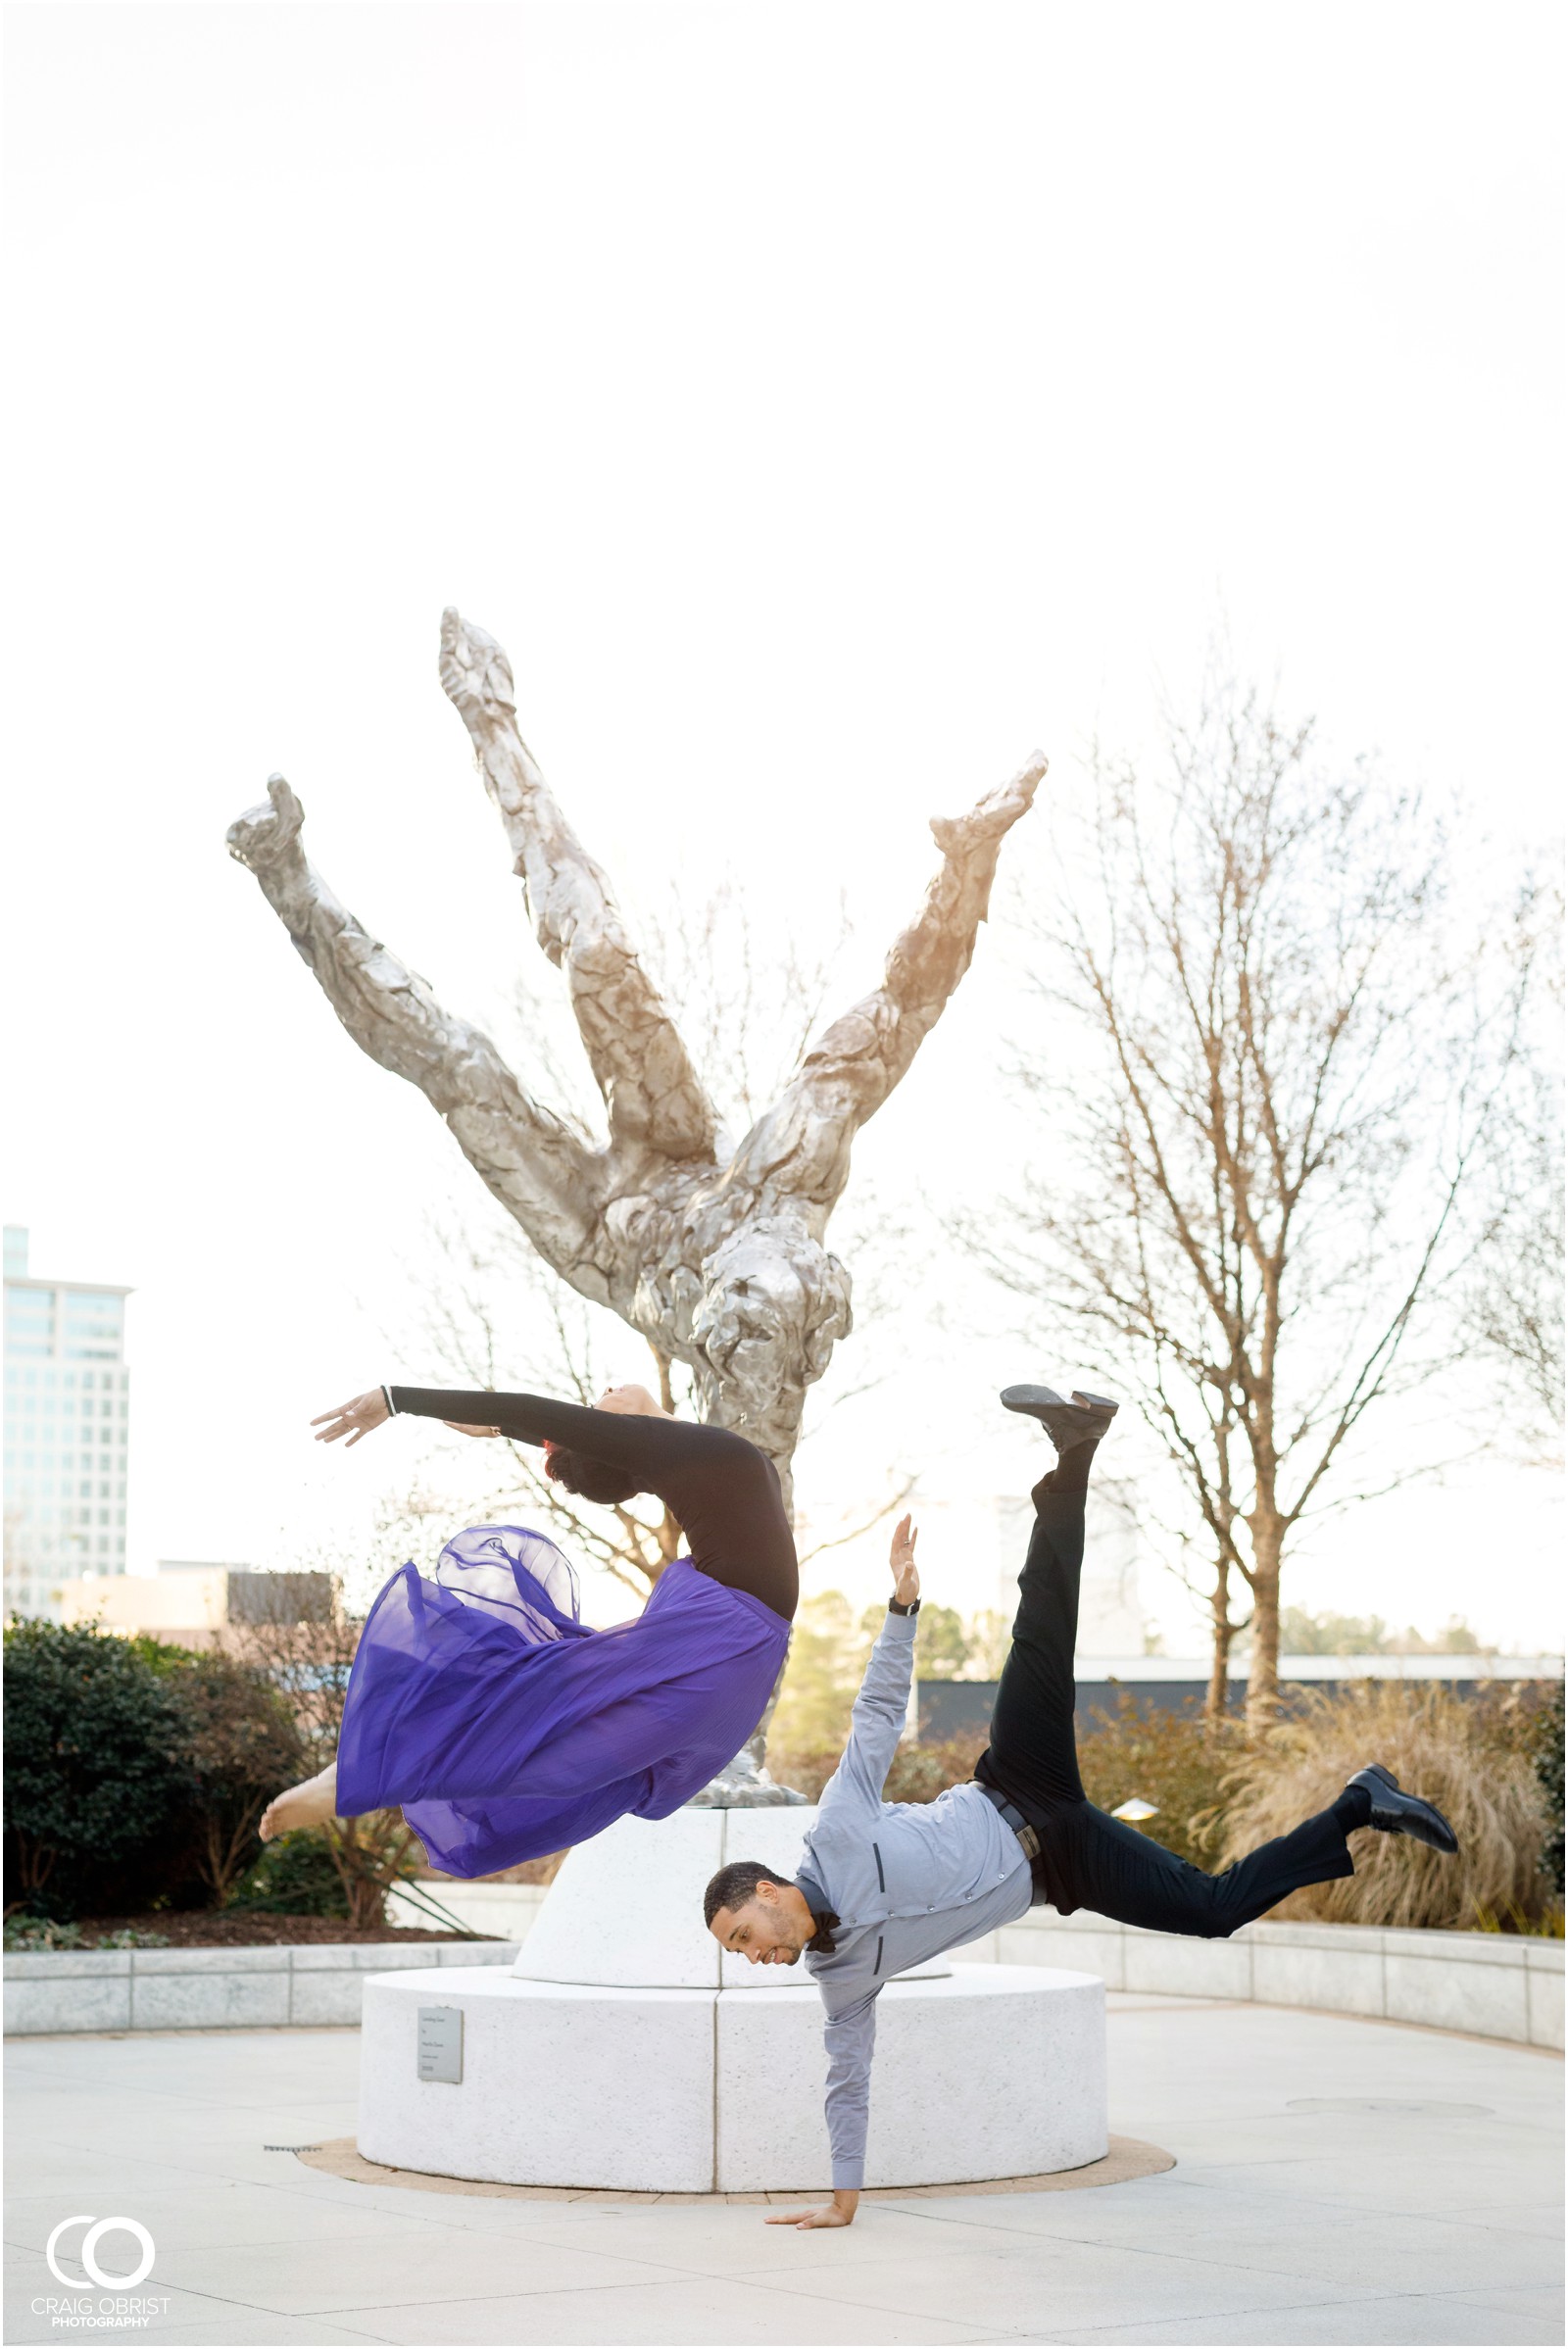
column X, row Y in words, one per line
column 897, row 1607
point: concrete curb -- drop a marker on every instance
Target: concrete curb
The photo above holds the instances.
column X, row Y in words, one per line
column 211, row 1990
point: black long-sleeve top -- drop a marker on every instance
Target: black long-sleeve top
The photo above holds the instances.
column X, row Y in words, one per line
column 722, row 1492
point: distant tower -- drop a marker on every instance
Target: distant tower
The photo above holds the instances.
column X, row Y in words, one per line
column 66, row 1430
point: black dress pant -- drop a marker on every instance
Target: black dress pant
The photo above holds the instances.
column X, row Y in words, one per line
column 1088, row 1859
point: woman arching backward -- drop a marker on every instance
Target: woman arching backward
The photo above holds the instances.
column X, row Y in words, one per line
column 502, row 1725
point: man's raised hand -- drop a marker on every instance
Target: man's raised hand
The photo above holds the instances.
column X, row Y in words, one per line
column 906, row 1574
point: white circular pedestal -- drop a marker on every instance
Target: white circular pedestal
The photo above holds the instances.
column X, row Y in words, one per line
column 993, row 2072
column 626, row 2052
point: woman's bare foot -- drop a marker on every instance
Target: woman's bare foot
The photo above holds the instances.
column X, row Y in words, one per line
column 304, row 1805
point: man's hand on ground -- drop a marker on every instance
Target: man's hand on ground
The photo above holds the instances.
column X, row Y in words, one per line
column 840, row 2212
column 906, row 1574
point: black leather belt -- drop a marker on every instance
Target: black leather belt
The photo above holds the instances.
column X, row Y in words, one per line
column 1014, row 1817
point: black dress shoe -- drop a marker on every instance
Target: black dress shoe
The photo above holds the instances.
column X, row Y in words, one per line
column 1402, row 1814
column 1084, row 1420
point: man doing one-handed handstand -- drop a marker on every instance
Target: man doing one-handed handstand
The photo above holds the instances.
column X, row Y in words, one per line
column 883, row 1886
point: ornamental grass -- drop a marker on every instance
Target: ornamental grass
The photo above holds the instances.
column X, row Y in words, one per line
column 1452, row 1750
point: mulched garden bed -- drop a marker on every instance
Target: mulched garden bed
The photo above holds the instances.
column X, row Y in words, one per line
column 245, row 1929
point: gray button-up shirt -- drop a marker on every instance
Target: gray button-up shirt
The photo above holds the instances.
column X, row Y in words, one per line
column 905, row 1879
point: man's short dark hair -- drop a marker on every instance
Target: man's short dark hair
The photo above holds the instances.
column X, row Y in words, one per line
column 733, row 1887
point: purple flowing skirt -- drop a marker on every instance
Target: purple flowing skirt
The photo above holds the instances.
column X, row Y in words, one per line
column 506, row 1728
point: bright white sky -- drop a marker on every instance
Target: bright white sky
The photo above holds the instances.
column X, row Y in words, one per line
column 823, row 403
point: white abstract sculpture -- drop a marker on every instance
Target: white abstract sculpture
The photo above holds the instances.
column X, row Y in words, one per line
column 625, row 2051
column 714, row 1249
column 711, row 1248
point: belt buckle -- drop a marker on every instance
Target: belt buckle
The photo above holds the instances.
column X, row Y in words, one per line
column 1028, row 1840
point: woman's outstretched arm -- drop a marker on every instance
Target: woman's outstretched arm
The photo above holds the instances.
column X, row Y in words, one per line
column 646, row 1446
column 722, row 1492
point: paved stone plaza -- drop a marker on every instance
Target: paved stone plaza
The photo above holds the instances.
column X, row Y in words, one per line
column 1322, row 2194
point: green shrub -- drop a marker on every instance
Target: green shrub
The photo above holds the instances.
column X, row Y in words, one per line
column 805, row 1767
column 296, row 1876
column 1546, row 1750
column 98, row 1786
column 1166, row 1760
column 1525, row 1718
column 1547, row 1927
column 1493, row 1763
column 919, row 1773
column 37, row 1933
column 243, row 1746
column 41, row 1932
column 136, row 1770
column 301, row 1639
column 1464, row 1754
column 1173, row 1760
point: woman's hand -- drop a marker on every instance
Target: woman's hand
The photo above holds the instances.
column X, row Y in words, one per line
column 458, row 1428
column 840, row 2212
column 906, row 1574
column 353, row 1419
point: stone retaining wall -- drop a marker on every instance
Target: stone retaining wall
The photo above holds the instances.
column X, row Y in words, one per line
column 1497, row 1985
column 211, row 1990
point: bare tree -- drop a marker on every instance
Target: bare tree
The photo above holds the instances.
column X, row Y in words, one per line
column 1273, row 1060
column 1514, row 1299
column 711, row 1248
column 300, row 1636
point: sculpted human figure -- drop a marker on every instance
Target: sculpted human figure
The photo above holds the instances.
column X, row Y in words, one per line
column 884, row 1886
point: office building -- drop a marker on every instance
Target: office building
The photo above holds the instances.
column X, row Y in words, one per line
column 67, row 1431
column 194, row 1606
